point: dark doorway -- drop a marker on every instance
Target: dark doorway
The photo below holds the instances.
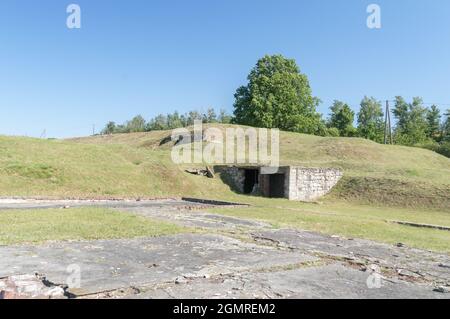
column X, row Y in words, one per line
column 251, row 179
column 276, row 182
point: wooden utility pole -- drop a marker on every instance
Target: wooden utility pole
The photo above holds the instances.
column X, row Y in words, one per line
column 391, row 140
column 387, row 125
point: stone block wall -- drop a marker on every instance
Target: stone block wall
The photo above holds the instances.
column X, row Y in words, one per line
column 308, row 184
column 301, row 184
column 236, row 176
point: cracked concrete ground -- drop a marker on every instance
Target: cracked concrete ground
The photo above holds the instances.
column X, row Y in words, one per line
column 112, row 264
column 328, row 281
column 231, row 258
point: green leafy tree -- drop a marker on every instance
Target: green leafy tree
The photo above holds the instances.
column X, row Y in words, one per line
column 174, row 121
column 444, row 147
column 158, row 123
column 110, row 128
column 342, row 117
column 446, row 127
column 120, row 129
column 412, row 123
column 210, row 116
column 370, row 120
column 332, row 131
column 434, row 123
column 137, row 124
column 417, row 125
column 277, row 95
column 193, row 116
column 401, row 113
column 184, row 120
column 224, row 117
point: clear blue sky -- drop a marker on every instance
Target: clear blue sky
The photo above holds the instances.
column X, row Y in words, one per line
column 153, row 56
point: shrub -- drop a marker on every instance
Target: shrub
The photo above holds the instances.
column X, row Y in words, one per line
column 444, row 149
column 333, row 131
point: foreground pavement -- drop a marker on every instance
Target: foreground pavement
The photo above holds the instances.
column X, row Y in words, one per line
column 229, row 258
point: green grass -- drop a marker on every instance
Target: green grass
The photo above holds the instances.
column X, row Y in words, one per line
column 65, row 169
column 71, row 169
column 374, row 173
column 380, row 183
column 351, row 220
column 38, row 226
column 139, row 165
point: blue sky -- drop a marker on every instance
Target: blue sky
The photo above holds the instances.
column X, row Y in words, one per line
column 153, row 56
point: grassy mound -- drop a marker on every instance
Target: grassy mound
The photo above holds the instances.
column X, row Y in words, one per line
column 139, row 165
column 54, row 168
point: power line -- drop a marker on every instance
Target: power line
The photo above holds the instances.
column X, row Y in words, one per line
column 427, row 103
column 437, row 104
column 394, row 101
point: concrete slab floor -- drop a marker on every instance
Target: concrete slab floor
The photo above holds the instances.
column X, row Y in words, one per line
column 112, row 264
column 234, row 258
column 329, row 281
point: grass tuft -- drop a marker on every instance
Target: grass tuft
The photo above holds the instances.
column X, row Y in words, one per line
column 39, row 226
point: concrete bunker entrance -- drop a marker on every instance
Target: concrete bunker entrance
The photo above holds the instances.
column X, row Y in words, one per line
column 291, row 182
column 251, row 180
column 255, row 181
column 276, row 185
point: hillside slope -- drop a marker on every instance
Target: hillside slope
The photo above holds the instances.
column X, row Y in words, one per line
column 139, row 165
column 55, row 168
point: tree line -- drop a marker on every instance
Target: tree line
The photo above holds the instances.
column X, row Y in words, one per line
column 416, row 124
column 167, row 121
column 278, row 95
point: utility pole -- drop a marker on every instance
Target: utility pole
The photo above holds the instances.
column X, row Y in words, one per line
column 391, row 140
column 387, row 125
column 93, row 129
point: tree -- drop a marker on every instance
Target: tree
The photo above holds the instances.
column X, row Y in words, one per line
column 159, row 123
column 370, row 120
column 277, row 96
column 412, row 123
column 224, row 118
column 342, row 117
column 210, row 116
column 137, row 124
column 332, row 131
column 121, row 128
column 183, row 120
column 193, row 116
column 110, row 128
column 401, row 114
column 174, row 121
column 434, row 123
column 446, row 127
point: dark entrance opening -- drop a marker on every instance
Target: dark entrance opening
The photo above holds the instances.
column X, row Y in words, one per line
column 251, row 179
column 276, row 188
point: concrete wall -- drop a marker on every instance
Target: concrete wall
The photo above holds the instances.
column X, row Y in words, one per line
column 302, row 184
column 236, row 176
column 308, row 184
